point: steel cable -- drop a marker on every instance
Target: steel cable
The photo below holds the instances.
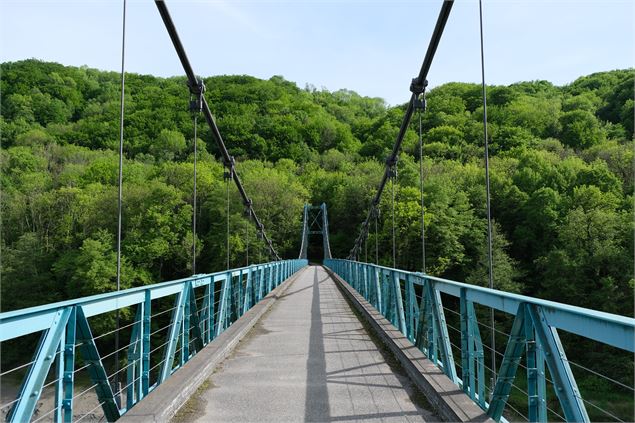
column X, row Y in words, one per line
column 423, row 222
column 120, row 184
column 394, row 248
column 376, row 212
column 490, row 259
column 227, row 189
column 194, row 195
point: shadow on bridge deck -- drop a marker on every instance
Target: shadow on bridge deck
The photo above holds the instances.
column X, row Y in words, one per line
column 309, row 359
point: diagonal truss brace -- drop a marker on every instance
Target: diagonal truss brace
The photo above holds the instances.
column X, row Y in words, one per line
column 47, row 349
column 531, row 330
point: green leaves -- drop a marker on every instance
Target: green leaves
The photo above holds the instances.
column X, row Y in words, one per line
column 561, row 171
column 580, row 129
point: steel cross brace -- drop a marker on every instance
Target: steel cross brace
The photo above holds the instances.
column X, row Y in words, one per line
column 96, row 369
column 135, row 353
column 47, row 349
column 531, row 325
column 472, row 357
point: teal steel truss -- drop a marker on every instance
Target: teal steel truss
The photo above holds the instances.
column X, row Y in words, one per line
column 193, row 322
column 315, row 221
column 534, row 334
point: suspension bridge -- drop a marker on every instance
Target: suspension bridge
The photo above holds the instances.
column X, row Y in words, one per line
column 286, row 340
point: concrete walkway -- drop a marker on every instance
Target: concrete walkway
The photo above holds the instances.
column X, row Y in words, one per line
column 308, row 359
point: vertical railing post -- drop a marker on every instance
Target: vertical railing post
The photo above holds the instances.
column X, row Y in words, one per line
column 59, row 371
column 247, row 303
column 377, row 282
column 261, row 282
column 366, row 277
column 431, row 323
column 187, row 313
column 477, row 356
column 385, row 297
column 536, row 385
column 411, row 303
column 466, row 361
column 69, row 368
column 145, row 353
column 133, row 371
column 272, row 278
column 399, row 309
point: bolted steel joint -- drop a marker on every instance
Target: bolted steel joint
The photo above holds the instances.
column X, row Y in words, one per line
column 198, row 88
column 230, row 164
column 196, row 95
column 417, row 87
column 391, row 161
column 420, row 102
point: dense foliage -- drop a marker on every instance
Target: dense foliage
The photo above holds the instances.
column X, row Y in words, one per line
column 562, row 180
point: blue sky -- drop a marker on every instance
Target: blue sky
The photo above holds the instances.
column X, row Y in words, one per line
column 372, row 47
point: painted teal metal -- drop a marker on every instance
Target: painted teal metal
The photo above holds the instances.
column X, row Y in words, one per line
column 534, row 332
column 65, row 329
column 315, row 221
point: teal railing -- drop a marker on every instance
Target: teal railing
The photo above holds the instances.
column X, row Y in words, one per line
column 164, row 325
column 416, row 304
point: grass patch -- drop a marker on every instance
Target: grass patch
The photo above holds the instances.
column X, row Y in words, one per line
column 195, row 406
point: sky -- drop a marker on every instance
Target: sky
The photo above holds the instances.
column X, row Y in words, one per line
column 372, row 47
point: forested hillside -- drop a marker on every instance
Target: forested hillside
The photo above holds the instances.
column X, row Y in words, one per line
column 562, row 180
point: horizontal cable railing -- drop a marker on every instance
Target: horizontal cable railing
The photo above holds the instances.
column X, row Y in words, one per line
column 166, row 324
column 533, row 334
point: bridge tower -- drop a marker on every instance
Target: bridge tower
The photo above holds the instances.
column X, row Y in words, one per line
column 315, row 222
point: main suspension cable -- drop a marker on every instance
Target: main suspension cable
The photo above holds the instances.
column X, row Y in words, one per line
column 209, row 118
column 490, row 260
column 417, row 86
column 120, row 181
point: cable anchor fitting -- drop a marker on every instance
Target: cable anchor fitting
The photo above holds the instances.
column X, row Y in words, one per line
column 229, row 165
column 391, row 163
column 418, row 88
column 196, row 95
column 248, row 207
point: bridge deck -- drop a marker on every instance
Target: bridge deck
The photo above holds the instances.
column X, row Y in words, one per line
column 309, row 359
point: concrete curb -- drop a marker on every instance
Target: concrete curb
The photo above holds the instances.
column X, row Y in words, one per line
column 166, row 399
column 450, row 402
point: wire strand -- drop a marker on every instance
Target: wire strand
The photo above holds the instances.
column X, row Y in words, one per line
column 376, row 239
column 490, row 259
column 194, row 195
column 394, row 240
column 227, row 189
column 120, row 184
column 423, row 221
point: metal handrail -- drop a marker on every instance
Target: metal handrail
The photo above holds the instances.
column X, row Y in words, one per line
column 412, row 302
column 65, row 328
